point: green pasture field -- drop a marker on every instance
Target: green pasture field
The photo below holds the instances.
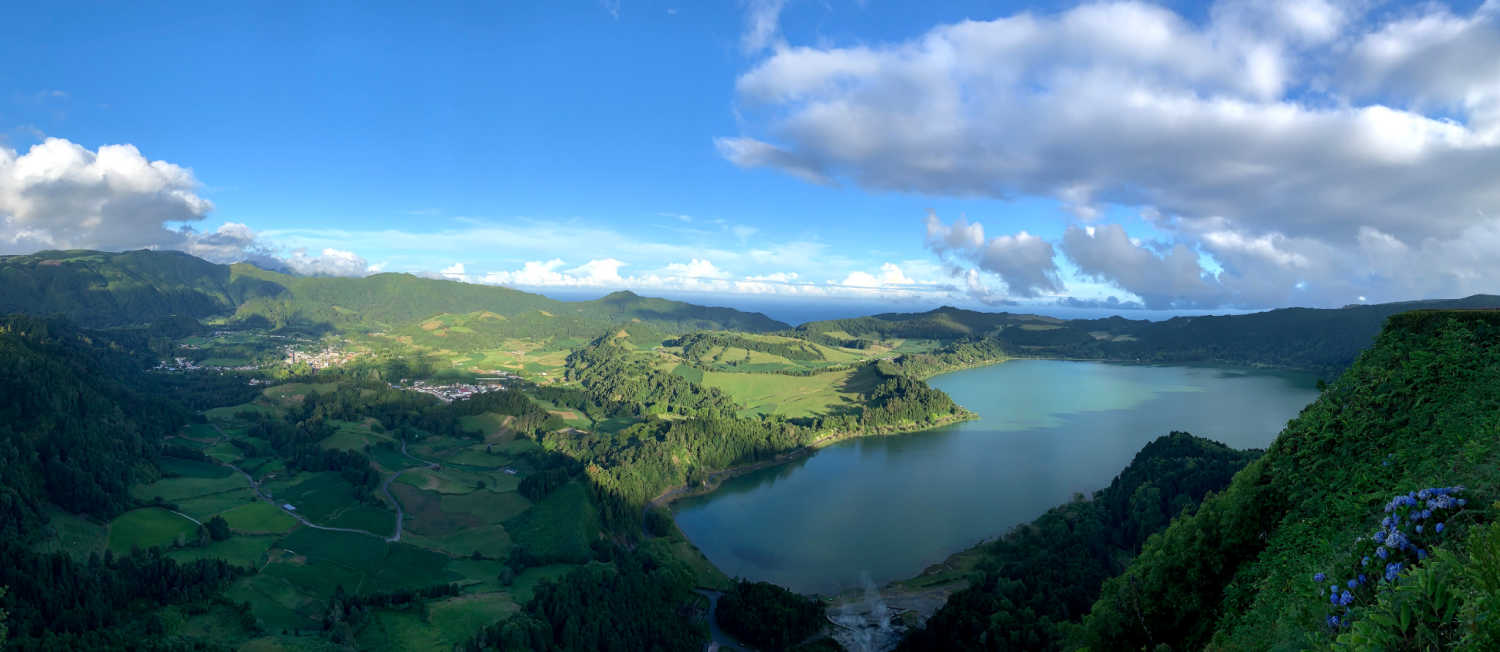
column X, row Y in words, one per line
column 176, row 490
column 487, row 506
column 353, row 436
column 448, row 623
column 321, row 497
column 259, row 516
column 363, row 516
column 488, row 540
column 148, row 527
column 491, row 424
column 791, row 396
column 381, row 566
column 391, row 459
column 204, row 507
column 185, row 468
column 248, row 551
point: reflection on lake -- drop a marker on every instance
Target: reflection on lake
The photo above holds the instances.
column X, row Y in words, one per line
column 890, row 506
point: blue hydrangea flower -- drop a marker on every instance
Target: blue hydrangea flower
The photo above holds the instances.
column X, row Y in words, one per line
column 1419, row 529
column 1365, row 561
column 1439, row 527
column 1346, row 598
column 1319, row 577
column 1352, row 583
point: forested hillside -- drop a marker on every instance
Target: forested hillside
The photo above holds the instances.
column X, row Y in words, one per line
column 1042, row 576
column 79, row 425
column 94, row 288
column 1405, row 444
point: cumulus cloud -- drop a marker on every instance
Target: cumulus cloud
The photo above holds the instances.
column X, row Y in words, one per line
column 331, row 262
column 61, row 195
column 1168, row 276
column 1278, row 128
column 1023, row 261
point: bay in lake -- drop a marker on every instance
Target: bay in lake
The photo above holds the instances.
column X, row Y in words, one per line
column 885, row 508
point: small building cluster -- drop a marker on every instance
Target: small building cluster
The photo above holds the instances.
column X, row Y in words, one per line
column 328, row 357
column 452, row 392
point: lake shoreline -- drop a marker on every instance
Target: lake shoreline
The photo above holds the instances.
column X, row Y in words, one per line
column 717, row 478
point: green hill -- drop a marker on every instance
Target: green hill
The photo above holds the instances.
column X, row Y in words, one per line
column 99, row 289
column 1419, row 410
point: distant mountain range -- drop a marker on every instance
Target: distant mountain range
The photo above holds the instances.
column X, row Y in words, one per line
column 1321, row 340
column 98, row 289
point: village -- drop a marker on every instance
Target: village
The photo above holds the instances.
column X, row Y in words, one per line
column 454, row 391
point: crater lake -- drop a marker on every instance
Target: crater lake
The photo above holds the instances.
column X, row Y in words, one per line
column 883, row 508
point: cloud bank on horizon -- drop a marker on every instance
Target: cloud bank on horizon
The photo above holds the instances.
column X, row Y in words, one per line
column 1267, row 154
column 1312, row 152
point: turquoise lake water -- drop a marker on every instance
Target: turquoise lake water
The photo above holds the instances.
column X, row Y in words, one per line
column 887, row 507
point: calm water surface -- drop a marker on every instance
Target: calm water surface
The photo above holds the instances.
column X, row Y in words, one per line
column 887, row 507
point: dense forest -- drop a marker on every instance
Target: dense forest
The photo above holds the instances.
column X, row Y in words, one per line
column 769, row 617
column 1041, row 577
column 77, row 428
column 636, row 602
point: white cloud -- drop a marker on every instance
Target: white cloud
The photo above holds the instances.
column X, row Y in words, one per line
column 64, row 196
column 762, row 25
column 1267, row 132
column 889, row 281
column 1023, row 261
column 331, row 262
column 697, row 268
column 61, row 195
column 1164, row 277
column 454, row 272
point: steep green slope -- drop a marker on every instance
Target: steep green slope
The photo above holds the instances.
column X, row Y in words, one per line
column 1044, row 574
column 97, row 289
column 76, row 429
column 1420, row 409
column 75, row 426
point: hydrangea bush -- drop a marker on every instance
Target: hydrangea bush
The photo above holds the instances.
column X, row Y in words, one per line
column 1413, row 524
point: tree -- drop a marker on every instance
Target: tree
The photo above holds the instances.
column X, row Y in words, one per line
column 218, row 528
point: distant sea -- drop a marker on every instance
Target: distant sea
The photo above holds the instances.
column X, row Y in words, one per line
column 797, row 310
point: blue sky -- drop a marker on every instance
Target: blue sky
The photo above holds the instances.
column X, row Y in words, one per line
column 808, row 149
